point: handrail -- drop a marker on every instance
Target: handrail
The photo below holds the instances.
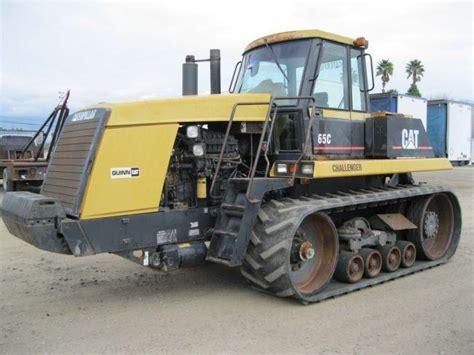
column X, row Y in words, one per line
column 226, row 136
column 308, row 135
column 253, row 169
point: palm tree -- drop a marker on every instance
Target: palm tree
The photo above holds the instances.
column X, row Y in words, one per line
column 415, row 69
column 385, row 70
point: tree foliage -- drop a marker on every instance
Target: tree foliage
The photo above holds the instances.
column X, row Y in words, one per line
column 414, row 69
column 413, row 90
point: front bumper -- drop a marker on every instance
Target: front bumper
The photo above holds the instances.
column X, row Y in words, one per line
column 35, row 219
column 41, row 221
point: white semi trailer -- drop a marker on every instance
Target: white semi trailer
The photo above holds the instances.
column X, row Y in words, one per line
column 449, row 130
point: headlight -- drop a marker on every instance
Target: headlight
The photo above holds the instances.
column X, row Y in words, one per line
column 192, row 131
column 282, row 168
column 307, row 169
column 198, row 150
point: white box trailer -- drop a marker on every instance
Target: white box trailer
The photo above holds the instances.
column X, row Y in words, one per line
column 449, row 130
column 400, row 103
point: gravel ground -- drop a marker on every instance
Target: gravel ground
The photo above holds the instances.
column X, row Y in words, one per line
column 51, row 303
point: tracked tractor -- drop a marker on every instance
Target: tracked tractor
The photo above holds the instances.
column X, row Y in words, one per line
column 288, row 177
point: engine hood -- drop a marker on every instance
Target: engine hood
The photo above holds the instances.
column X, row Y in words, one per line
column 210, row 108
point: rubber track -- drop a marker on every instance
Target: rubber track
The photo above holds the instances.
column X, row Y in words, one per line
column 265, row 263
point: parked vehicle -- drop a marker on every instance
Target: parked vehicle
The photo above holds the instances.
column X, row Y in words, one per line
column 24, row 159
column 449, row 130
column 289, row 177
column 400, row 103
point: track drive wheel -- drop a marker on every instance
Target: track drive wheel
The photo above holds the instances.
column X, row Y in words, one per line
column 288, row 256
column 372, row 262
column 434, row 216
column 391, row 258
column 408, row 253
column 350, row 267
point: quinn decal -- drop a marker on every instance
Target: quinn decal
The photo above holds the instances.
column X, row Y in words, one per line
column 84, row 115
column 410, row 138
column 124, row 173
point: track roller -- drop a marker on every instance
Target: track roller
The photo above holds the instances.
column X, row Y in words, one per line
column 434, row 216
column 372, row 262
column 391, row 258
column 350, row 267
column 408, row 253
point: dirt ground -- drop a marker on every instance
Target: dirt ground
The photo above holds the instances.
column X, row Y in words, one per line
column 61, row 304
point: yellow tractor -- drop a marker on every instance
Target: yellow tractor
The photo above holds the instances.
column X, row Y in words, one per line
column 288, row 177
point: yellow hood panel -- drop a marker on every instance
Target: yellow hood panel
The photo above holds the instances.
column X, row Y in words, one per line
column 210, row 108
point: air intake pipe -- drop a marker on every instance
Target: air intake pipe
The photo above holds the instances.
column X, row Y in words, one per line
column 190, row 73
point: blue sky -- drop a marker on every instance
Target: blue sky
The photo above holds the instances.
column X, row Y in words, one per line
column 113, row 51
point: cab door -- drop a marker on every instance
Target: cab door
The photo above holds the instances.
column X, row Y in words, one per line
column 338, row 130
column 358, row 98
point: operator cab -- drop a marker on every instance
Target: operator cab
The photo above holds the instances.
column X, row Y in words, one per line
column 327, row 67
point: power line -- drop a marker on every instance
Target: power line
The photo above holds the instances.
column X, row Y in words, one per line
column 21, row 123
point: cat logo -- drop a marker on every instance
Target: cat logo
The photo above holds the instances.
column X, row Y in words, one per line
column 410, row 138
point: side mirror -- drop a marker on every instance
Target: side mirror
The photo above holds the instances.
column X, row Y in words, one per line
column 235, row 75
column 364, row 56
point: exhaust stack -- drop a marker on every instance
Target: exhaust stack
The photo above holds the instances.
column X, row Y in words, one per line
column 190, row 73
column 190, row 76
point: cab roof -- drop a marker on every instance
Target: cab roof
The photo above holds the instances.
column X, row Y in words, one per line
column 292, row 35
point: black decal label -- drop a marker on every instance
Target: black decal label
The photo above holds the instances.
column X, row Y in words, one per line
column 346, row 167
column 124, row 173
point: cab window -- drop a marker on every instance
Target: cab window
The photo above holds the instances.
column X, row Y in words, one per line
column 286, row 132
column 331, row 88
column 357, row 81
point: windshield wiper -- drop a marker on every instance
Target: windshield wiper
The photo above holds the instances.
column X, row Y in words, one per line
column 275, row 59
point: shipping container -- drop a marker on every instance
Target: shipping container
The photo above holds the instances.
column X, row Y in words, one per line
column 449, row 130
column 400, row 103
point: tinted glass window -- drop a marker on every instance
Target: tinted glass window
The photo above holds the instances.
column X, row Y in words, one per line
column 331, row 89
column 286, row 134
column 276, row 69
column 358, row 83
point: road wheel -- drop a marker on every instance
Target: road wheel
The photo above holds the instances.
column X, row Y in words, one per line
column 288, row 256
column 434, row 216
column 372, row 262
column 8, row 185
column 350, row 267
column 391, row 258
column 408, row 251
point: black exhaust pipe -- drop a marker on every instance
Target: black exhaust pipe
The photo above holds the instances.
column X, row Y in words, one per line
column 190, row 76
column 190, row 73
column 215, row 60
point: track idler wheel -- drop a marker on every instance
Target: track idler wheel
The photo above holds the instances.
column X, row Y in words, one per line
column 434, row 216
column 408, row 252
column 372, row 262
column 350, row 267
column 391, row 258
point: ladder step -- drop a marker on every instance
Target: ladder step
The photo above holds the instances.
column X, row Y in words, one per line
column 219, row 260
column 225, row 233
column 233, row 210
